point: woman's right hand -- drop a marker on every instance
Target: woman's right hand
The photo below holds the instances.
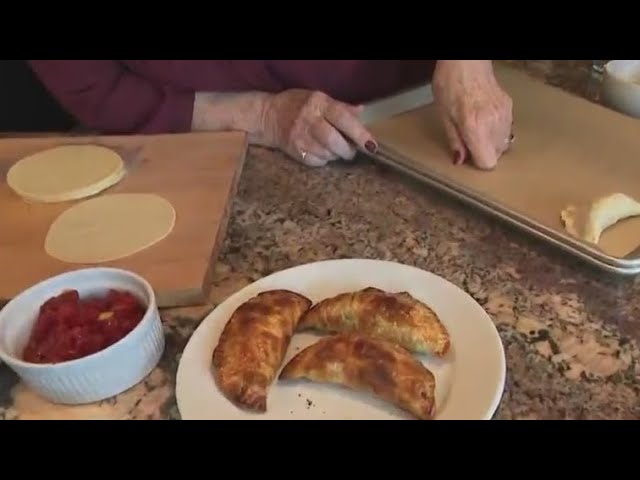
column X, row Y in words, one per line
column 312, row 127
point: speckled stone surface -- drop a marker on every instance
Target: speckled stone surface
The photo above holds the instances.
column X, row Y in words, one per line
column 570, row 332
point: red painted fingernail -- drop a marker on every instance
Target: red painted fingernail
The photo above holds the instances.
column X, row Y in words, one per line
column 371, row 146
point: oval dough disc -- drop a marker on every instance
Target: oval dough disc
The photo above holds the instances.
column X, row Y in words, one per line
column 65, row 173
column 109, row 227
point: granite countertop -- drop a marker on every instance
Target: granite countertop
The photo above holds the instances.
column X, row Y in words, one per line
column 570, row 333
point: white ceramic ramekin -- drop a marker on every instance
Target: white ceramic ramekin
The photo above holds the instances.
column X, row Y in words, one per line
column 95, row 377
column 621, row 86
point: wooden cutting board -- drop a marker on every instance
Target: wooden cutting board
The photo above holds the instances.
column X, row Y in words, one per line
column 196, row 172
column 567, row 151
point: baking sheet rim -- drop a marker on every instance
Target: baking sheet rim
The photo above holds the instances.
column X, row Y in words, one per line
column 596, row 257
column 422, row 95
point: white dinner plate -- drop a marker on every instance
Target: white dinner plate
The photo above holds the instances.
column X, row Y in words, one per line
column 469, row 380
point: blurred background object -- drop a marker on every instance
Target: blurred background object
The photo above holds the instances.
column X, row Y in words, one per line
column 25, row 105
column 597, row 66
column 621, row 86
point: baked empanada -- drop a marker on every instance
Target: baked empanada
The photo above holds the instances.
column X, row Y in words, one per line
column 253, row 344
column 397, row 317
column 363, row 363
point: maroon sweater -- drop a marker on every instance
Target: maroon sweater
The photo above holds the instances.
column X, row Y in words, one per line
column 156, row 96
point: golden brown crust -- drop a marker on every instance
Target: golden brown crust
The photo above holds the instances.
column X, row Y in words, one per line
column 253, row 345
column 397, row 317
column 364, row 363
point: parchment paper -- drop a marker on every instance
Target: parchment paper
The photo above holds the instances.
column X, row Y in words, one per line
column 567, row 151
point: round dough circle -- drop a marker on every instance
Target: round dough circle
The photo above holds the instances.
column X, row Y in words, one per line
column 109, row 227
column 67, row 172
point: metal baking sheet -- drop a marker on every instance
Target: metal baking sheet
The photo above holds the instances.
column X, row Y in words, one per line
column 568, row 151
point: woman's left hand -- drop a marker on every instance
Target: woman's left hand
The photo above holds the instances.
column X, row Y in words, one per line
column 476, row 112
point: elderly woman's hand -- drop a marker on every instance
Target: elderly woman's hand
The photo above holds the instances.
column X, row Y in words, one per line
column 313, row 128
column 475, row 110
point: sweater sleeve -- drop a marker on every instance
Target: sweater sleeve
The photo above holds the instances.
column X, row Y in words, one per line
column 105, row 96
